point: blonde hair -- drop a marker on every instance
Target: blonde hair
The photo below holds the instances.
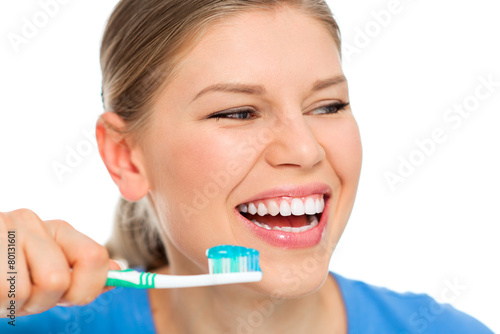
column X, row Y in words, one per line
column 142, row 45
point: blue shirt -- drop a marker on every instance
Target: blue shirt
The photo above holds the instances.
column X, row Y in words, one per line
column 369, row 310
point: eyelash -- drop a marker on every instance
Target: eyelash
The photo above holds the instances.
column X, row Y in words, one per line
column 235, row 114
column 229, row 114
column 336, row 107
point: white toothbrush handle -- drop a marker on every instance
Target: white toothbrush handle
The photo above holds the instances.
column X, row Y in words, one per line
column 186, row 281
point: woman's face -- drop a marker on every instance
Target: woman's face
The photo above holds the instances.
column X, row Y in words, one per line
column 256, row 120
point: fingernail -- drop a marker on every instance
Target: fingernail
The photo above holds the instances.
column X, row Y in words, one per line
column 117, row 264
column 122, row 264
column 64, row 304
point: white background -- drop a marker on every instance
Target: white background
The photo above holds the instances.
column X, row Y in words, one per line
column 440, row 226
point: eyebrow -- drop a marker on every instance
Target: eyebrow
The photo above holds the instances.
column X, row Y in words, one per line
column 260, row 90
column 322, row 84
column 233, row 88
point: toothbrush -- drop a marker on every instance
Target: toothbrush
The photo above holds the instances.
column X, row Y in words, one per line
column 227, row 264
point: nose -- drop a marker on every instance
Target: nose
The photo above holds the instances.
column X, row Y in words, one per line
column 294, row 143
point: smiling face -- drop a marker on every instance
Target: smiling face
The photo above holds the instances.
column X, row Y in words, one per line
column 253, row 143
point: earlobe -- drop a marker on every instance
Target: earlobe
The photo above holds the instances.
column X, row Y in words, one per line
column 122, row 159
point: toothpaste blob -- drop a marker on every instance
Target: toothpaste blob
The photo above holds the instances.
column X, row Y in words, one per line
column 232, row 259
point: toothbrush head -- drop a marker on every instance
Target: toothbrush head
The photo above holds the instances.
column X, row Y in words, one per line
column 227, row 264
column 225, row 259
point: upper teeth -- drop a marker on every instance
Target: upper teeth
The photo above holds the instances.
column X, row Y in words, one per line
column 285, row 206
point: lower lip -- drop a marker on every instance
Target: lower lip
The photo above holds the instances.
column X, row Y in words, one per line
column 284, row 239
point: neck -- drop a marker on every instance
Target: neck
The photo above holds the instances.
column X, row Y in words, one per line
column 237, row 309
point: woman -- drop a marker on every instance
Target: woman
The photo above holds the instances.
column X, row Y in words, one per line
column 224, row 119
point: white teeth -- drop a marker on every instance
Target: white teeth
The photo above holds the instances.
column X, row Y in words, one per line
column 309, row 205
column 267, row 227
column 310, row 208
column 273, row 208
column 297, row 207
column 262, row 210
column 252, row 209
column 243, row 208
column 285, row 209
column 317, row 204
column 313, row 222
column 301, row 229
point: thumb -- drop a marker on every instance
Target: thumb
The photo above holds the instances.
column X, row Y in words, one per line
column 116, row 265
column 113, row 265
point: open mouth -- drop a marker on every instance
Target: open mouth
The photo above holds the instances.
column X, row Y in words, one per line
column 287, row 214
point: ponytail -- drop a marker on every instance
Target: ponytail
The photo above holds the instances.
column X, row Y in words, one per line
column 135, row 237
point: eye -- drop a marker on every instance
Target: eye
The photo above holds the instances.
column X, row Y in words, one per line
column 236, row 114
column 332, row 108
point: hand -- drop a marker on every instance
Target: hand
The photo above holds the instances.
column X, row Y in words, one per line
column 53, row 264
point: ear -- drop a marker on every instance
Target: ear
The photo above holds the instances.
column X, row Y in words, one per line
column 122, row 159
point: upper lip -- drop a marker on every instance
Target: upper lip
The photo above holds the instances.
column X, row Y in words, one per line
column 291, row 191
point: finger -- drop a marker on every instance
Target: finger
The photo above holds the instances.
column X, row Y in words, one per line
column 113, row 265
column 89, row 262
column 43, row 274
column 49, row 271
column 15, row 285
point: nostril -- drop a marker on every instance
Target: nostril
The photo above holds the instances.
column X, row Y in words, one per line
column 296, row 146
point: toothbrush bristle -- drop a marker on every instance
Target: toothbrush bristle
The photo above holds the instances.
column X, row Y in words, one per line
column 232, row 259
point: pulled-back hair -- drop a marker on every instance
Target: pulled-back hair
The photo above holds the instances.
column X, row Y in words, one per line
column 141, row 47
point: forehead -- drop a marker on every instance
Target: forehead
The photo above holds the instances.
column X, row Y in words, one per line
column 273, row 48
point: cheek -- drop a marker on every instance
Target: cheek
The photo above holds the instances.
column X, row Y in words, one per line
column 342, row 144
column 191, row 172
column 194, row 169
